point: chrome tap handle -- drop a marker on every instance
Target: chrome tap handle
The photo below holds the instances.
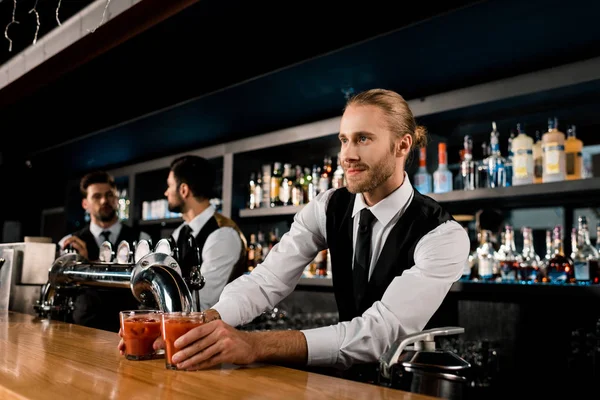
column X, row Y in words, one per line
column 391, row 356
column 195, row 280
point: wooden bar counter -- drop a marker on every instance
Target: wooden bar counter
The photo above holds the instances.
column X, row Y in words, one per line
column 41, row 359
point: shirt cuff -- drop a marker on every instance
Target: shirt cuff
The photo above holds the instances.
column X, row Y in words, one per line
column 229, row 312
column 322, row 345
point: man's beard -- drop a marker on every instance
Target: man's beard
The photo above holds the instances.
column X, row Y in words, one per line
column 178, row 206
column 372, row 176
column 107, row 216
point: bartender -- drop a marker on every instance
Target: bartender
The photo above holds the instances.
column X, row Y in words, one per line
column 394, row 252
column 99, row 307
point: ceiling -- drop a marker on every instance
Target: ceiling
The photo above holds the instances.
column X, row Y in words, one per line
column 224, row 70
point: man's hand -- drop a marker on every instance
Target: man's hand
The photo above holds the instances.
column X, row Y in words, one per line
column 214, row 343
column 77, row 244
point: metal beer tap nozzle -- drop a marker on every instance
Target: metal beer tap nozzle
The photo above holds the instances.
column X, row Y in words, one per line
column 174, row 249
column 195, row 281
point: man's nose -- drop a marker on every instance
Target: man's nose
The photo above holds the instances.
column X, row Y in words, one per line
column 349, row 153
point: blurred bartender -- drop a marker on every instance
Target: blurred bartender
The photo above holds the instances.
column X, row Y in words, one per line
column 394, row 252
column 221, row 244
column 99, row 307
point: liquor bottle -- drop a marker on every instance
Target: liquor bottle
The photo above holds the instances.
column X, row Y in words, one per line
column 260, row 236
column 287, row 183
column 423, row 177
column 531, row 265
column 508, row 165
column 310, row 188
column 276, row 179
column 338, row 175
column 258, row 191
column 298, row 188
column 124, row 203
column 495, row 162
column 573, row 154
column 560, row 267
column 487, row 267
column 468, row 169
column 316, row 177
column 266, row 186
column 523, row 164
column 538, row 160
column 251, row 253
column 442, row 177
column 483, row 173
column 553, row 153
column 252, row 191
column 509, row 260
column 325, row 178
column 584, row 255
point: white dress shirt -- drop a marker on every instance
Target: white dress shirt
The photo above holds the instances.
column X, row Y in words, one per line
column 220, row 253
column 114, row 229
column 406, row 306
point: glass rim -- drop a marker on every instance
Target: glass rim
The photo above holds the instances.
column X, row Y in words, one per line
column 140, row 312
column 183, row 314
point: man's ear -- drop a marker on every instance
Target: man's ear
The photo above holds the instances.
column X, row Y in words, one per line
column 403, row 146
column 85, row 204
column 184, row 190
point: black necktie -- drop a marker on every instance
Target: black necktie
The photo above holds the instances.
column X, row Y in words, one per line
column 106, row 235
column 183, row 243
column 362, row 256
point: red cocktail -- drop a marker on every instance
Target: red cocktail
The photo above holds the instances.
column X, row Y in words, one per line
column 139, row 329
column 174, row 325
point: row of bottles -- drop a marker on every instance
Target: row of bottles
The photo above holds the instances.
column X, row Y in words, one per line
column 553, row 157
column 259, row 247
column 508, row 265
column 157, row 209
column 292, row 185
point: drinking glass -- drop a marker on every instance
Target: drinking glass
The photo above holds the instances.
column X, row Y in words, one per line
column 174, row 325
column 140, row 328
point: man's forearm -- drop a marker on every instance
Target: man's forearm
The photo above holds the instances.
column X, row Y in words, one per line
column 280, row 347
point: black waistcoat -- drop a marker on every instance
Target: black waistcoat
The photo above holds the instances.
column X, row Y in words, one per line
column 421, row 217
column 98, row 307
column 127, row 233
column 209, row 227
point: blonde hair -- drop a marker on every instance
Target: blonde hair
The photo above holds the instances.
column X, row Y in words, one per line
column 399, row 116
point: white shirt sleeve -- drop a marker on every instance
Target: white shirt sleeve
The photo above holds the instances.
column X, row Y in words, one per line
column 406, row 306
column 220, row 253
column 276, row 277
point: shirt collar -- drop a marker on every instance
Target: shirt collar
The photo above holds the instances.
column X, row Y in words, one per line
column 199, row 220
column 114, row 229
column 387, row 208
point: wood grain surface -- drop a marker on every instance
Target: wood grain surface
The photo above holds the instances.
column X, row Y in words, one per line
column 52, row 360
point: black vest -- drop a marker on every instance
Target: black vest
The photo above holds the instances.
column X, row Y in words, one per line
column 209, row 227
column 421, row 217
column 97, row 307
column 127, row 233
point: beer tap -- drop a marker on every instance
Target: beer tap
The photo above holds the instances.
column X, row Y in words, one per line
column 195, row 280
column 174, row 248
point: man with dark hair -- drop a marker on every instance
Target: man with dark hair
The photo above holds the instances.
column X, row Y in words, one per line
column 96, row 307
column 190, row 186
